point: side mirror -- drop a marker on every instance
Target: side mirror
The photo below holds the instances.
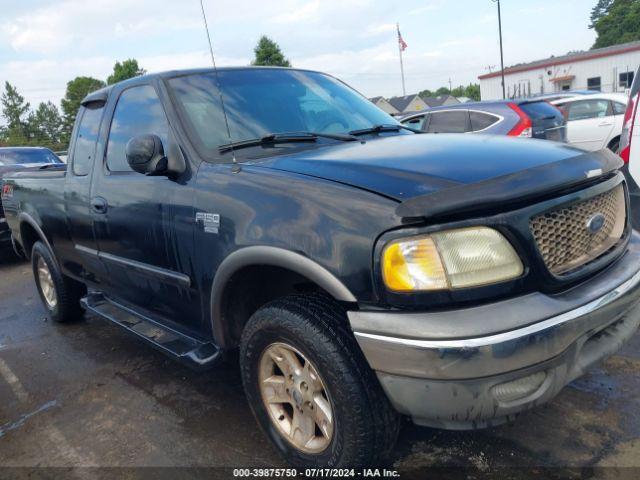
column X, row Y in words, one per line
column 145, row 154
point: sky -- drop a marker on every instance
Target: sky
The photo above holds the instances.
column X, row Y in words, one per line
column 44, row 43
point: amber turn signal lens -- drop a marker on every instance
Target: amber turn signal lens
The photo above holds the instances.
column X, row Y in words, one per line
column 413, row 265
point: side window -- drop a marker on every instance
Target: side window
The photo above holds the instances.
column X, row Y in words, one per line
column 587, row 109
column 619, row 108
column 594, row 84
column 417, row 123
column 480, row 120
column 138, row 112
column 563, row 107
column 626, row 79
column 454, row 121
column 85, row 143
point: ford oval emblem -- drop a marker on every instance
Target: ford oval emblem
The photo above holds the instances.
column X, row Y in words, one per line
column 595, row 223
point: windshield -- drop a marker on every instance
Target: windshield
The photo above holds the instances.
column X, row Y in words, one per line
column 9, row 156
column 262, row 101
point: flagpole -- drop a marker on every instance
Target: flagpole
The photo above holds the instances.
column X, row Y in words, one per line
column 404, row 91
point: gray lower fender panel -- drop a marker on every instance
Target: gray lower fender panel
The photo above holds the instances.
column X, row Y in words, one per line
column 469, row 404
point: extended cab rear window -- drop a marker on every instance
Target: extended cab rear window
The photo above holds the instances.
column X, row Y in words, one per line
column 540, row 111
column 85, row 144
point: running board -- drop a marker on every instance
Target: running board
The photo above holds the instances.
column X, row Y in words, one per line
column 188, row 350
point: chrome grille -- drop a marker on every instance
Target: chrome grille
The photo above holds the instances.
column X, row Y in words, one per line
column 564, row 237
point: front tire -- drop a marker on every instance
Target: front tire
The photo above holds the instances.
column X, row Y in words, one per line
column 60, row 294
column 310, row 388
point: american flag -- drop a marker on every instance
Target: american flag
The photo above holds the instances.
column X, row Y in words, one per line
column 401, row 42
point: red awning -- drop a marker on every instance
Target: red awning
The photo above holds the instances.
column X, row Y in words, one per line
column 563, row 79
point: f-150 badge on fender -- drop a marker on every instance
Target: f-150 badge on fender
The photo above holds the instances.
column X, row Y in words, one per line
column 210, row 221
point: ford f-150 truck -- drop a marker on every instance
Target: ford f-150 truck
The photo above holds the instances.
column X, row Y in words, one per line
column 363, row 271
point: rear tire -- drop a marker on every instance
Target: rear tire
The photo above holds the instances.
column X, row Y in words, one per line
column 364, row 426
column 60, row 294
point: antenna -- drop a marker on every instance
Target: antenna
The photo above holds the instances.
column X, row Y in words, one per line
column 215, row 71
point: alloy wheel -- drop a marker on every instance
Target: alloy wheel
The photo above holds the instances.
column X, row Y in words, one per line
column 296, row 398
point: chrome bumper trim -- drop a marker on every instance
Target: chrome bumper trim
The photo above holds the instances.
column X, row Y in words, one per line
column 513, row 334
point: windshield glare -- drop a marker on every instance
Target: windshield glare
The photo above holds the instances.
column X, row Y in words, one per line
column 261, row 101
column 10, row 156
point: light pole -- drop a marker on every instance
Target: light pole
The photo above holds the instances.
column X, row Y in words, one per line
column 504, row 95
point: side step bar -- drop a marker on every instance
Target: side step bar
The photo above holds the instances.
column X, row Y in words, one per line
column 192, row 352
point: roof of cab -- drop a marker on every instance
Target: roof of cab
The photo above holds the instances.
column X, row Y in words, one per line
column 102, row 95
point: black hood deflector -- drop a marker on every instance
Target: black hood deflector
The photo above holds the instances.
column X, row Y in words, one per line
column 520, row 186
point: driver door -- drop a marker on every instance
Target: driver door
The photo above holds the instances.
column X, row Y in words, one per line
column 144, row 224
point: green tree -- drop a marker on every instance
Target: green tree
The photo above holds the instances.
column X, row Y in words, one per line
column 122, row 71
column 443, row 91
column 599, row 11
column 460, row 91
column 14, row 107
column 616, row 22
column 426, row 93
column 77, row 89
column 14, row 110
column 268, row 53
column 473, row 91
column 45, row 126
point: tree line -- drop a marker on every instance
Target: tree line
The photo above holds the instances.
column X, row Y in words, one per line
column 47, row 125
column 50, row 126
column 615, row 22
column 471, row 91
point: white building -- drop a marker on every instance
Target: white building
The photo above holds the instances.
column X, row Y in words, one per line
column 609, row 69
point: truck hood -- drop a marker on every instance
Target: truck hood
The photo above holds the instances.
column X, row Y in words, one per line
column 407, row 168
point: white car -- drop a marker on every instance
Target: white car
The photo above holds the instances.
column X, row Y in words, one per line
column 629, row 149
column 594, row 122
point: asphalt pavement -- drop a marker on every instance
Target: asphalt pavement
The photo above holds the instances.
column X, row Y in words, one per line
column 88, row 394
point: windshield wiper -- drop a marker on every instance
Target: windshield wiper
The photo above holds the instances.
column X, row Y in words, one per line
column 285, row 137
column 383, row 128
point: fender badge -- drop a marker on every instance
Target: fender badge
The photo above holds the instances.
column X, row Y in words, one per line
column 210, row 221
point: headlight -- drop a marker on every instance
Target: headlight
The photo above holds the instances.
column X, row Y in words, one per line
column 468, row 257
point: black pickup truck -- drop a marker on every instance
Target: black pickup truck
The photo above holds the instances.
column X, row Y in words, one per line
column 362, row 270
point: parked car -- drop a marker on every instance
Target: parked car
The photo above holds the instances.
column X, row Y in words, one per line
column 16, row 159
column 550, row 97
column 629, row 149
column 594, row 122
column 517, row 118
column 362, row 270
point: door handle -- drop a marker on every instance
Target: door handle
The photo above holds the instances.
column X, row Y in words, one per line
column 99, row 205
column 605, row 124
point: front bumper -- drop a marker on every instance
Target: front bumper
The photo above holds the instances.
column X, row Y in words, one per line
column 480, row 366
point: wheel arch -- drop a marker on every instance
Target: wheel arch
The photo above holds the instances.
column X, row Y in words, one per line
column 30, row 233
column 268, row 257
